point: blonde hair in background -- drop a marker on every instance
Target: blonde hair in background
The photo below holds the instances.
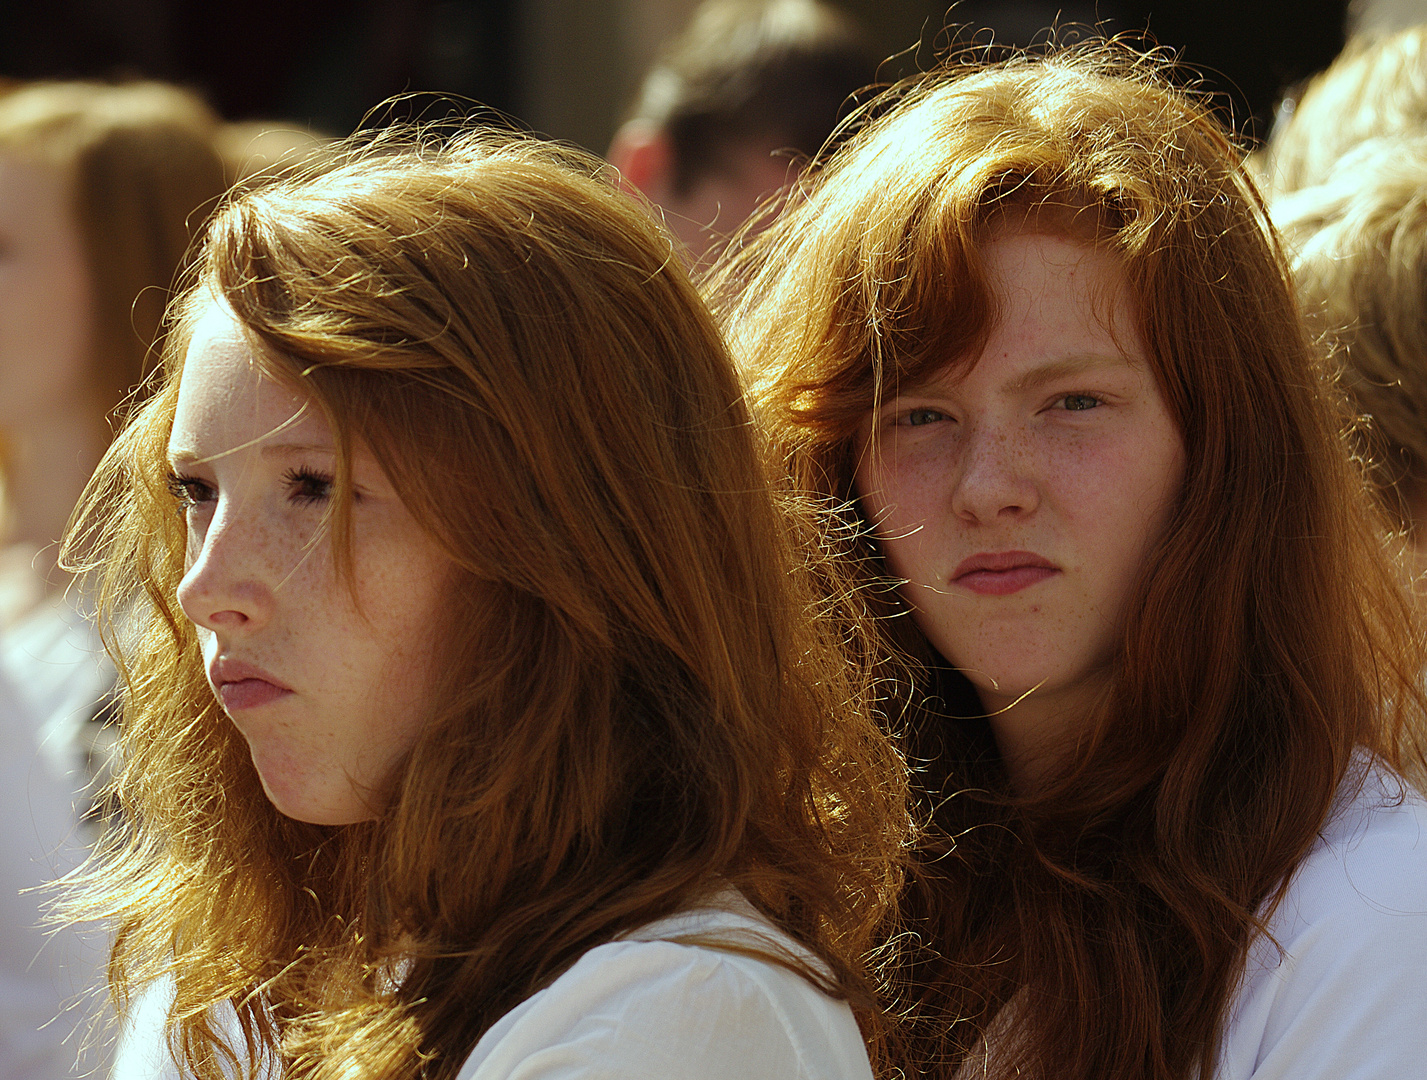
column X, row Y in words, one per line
column 1376, row 87
column 1358, row 246
column 642, row 702
column 144, row 175
column 257, row 151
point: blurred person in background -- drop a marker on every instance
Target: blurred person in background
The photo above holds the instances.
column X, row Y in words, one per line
column 1346, row 178
column 750, row 90
column 1358, row 247
column 1376, row 87
column 99, row 186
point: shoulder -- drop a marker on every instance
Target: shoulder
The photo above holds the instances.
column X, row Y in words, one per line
column 1369, row 867
column 670, row 1002
column 1337, row 983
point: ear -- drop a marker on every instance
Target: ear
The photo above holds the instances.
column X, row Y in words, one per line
column 644, row 158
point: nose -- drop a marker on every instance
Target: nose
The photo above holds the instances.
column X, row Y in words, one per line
column 996, row 480
column 227, row 586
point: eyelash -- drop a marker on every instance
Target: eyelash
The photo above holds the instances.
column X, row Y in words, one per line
column 188, row 491
column 302, row 482
column 306, row 487
column 1064, row 400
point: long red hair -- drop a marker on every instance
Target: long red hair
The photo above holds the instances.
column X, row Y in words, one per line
column 1267, row 644
column 641, row 703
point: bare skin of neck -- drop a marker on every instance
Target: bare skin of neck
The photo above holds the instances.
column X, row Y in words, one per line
column 1039, row 731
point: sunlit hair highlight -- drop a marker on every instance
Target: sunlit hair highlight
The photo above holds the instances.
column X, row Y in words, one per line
column 1103, row 922
column 641, row 705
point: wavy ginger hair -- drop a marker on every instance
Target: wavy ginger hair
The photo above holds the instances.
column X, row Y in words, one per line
column 1266, row 643
column 639, row 708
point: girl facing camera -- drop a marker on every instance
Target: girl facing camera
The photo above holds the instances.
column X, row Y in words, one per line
column 1160, row 685
column 478, row 722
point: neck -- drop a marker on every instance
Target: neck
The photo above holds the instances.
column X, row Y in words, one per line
column 50, row 461
column 1038, row 732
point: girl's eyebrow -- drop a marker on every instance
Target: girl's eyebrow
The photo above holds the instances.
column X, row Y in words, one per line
column 1049, row 371
column 188, row 453
column 284, row 449
column 1067, row 366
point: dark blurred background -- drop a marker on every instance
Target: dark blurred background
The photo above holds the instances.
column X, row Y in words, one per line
column 568, row 67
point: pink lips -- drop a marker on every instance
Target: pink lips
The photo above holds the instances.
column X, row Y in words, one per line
column 243, row 686
column 1003, row 572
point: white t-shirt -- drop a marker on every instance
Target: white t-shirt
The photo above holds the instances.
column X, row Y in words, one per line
column 646, row 1006
column 1346, row 999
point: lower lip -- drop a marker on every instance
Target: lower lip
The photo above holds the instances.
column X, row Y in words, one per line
column 249, row 694
column 1004, row 582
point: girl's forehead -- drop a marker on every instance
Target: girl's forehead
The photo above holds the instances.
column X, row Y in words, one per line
column 225, row 401
column 1042, row 280
column 1066, row 214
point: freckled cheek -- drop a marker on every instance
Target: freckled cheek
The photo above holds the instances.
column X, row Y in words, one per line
column 1114, row 483
column 288, row 554
column 313, row 598
column 1115, row 512
column 901, row 535
column 903, row 493
column 404, row 586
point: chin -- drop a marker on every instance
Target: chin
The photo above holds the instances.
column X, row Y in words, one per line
column 300, row 806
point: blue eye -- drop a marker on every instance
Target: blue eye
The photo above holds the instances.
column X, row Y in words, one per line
column 919, row 417
column 1079, row 402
